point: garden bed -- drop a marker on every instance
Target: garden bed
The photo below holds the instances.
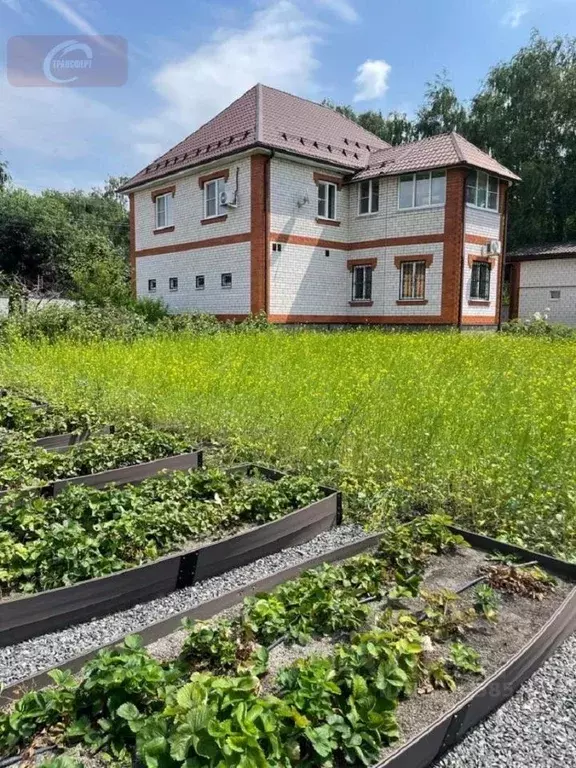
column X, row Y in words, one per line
column 389, row 655
column 183, row 514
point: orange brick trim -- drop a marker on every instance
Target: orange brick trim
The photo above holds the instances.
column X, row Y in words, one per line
column 319, row 242
column 258, row 234
column 164, row 229
column 330, row 222
column 478, row 320
column 357, row 319
column 223, row 174
column 453, row 246
column 478, row 240
column 210, row 242
column 351, row 263
column 472, row 257
column 504, row 191
column 214, row 219
column 132, row 217
column 330, row 179
column 411, row 302
column 427, row 258
column 164, row 191
column 361, row 303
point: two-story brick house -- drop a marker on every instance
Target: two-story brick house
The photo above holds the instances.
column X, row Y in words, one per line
column 283, row 206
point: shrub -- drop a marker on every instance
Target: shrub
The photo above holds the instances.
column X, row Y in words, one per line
column 539, row 325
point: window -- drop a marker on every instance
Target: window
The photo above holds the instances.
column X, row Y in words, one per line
column 369, row 196
column 326, row 200
column 164, row 211
column 412, row 280
column 482, row 190
column 226, row 280
column 327, row 253
column 420, row 190
column 151, row 286
column 480, row 283
column 212, row 192
column 173, row 283
column 200, row 282
column 555, row 295
column 362, row 283
column 277, row 247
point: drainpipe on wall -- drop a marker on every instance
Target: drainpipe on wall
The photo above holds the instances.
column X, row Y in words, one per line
column 267, row 225
column 503, row 255
column 462, row 253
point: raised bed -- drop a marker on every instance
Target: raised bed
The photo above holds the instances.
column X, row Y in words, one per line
column 64, row 442
column 134, row 473
column 26, row 617
column 427, row 745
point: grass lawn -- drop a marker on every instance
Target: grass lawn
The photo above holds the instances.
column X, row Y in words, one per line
column 481, row 426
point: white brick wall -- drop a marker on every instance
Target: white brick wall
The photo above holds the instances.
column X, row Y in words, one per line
column 210, row 262
column 188, row 209
column 484, row 224
column 538, row 278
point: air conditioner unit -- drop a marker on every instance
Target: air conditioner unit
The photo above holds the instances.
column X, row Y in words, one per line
column 493, row 248
column 226, row 200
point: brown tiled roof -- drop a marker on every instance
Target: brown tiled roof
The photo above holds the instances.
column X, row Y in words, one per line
column 543, row 251
column 267, row 117
column 440, row 151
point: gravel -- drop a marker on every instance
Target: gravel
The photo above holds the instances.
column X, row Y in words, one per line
column 25, row 659
column 534, row 729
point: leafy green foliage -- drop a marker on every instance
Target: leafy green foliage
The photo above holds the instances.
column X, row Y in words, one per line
column 20, row 414
column 486, row 602
column 85, row 532
column 465, row 659
column 441, row 619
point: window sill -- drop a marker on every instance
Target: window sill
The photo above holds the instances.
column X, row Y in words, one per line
column 360, row 303
column 366, row 215
column 479, row 302
column 214, row 219
column 162, row 230
column 480, row 208
column 411, row 302
column 421, row 207
column 330, row 222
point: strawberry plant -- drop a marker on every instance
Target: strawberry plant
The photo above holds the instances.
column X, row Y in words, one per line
column 486, row 602
column 465, row 659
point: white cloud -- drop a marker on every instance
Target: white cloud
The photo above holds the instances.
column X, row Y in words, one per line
column 71, row 16
column 14, row 5
column 342, row 8
column 515, row 14
column 372, row 79
column 276, row 48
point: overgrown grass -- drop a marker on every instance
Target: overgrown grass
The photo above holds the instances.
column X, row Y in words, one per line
column 482, row 427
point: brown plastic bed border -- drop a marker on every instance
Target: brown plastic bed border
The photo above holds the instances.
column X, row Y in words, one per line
column 427, row 746
column 26, row 617
column 66, row 441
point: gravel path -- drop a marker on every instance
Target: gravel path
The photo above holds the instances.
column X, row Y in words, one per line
column 534, row 729
column 24, row 659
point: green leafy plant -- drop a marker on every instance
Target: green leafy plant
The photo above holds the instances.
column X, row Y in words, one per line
column 441, row 619
column 465, row 659
column 486, row 602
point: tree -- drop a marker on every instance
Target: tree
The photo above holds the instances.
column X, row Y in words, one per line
column 441, row 112
column 4, row 175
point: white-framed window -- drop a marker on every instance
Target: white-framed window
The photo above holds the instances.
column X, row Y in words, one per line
column 327, row 196
column 200, row 282
column 173, row 283
column 555, row 294
column 422, row 190
column 368, row 196
column 226, row 280
column 151, row 286
column 212, row 191
column 412, row 280
column 164, row 211
column 480, row 281
column 482, row 190
column 362, row 283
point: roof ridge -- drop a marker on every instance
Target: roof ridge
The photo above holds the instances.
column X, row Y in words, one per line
column 457, row 148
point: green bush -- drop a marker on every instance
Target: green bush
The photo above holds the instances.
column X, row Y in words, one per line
column 539, row 325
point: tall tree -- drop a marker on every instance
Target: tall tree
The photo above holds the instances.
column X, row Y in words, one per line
column 4, row 175
column 442, row 112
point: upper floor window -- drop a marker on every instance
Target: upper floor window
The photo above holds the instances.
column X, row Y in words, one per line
column 164, row 211
column 362, row 283
column 421, row 190
column 412, row 280
column 369, row 196
column 480, row 282
column 212, row 191
column 326, row 200
column 482, row 190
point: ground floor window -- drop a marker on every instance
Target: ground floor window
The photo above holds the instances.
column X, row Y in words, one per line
column 480, row 282
column 173, row 283
column 412, row 280
column 226, row 280
column 362, row 283
column 151, row 286
column 200, row 282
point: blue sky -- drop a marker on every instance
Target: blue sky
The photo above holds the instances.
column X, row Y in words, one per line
column 190, row 58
